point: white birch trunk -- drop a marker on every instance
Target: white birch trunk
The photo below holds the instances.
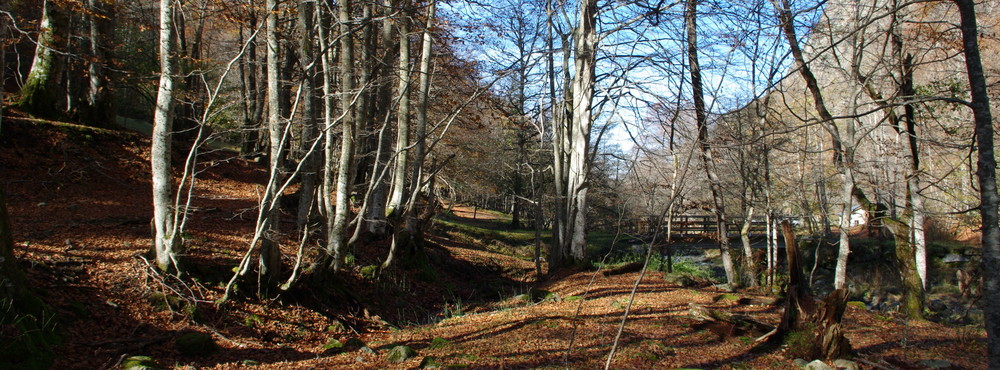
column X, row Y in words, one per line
column 165, row 240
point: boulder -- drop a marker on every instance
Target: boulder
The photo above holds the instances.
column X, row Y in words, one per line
column 196, row 344
column 845, row 364
column 400, row 353
column 817, row 365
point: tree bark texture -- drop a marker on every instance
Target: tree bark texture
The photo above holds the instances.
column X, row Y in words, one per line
column 165, row 239
column 307, row 58
column 818, row 322
column 269, row 262
column 986, row 172
column 336, row 238
column 42, row 92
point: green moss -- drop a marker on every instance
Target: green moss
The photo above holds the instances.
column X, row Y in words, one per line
column 438, row 342
column 727, row 297
column 196, row 344
column 858, row 304
column 333, row 344
column 139, row 363
column 369, row 271
column 400, row 353
column 252, row 321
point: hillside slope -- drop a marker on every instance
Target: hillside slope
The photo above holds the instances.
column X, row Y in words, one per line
column 80, row 204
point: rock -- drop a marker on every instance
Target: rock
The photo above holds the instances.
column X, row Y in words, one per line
column 680, row 280
column 953, row 258
column 367, row 350
column 845, row 364
column 400, row 354
column 139, row 363
column 937, row 305
column 196, row 344
column 333, row 347
column 353, row 343
column 817, row 365
column 800, row 362
column 430, row 362
column 935, row 364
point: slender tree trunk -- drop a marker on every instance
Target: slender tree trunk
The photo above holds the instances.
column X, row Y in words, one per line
column 310, row 165
column 100, row 100
column 420, row 146
column 253, row 109
column 558, row 122
column 376, row 215
column 398, row 187
column 826, row 119
column 749, row 263
column 690, row 20
column 165, row 240
column 986, row 172
column 269, row 263
column 41, row 92
column 337, row 241
column 584, row 60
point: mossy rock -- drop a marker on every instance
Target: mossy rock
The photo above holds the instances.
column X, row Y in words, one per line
column 196, row 344
column 430, row 362
column 438, row 342
column 354, row 343
column 858, row 304
column 537, row 295
column 680, row 280
column 726, row 297
column 139, row 363
column 334, row 344
column 400, row 353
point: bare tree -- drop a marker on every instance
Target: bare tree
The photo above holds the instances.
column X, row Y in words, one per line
column 165, row 239
column 986, row 172
column 690, row 21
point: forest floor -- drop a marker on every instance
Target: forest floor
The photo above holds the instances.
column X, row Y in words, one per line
column 79, row 200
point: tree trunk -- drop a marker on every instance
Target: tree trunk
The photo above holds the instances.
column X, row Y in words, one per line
column 584, row 60
column 165, row 239
column 986, row 172
column 100, row 99
column 253, row 108
column 749, row 262
column 420, row 146
column 310, row 163
column 376, row 215
column 558, row 122
column 398, row 186
column 269, row 262
column 41, row 93
column 336, row 237
column 690, row 21
column 788, row 28
column 817, row 322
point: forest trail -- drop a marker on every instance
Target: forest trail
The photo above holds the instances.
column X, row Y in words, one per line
column 79, row 200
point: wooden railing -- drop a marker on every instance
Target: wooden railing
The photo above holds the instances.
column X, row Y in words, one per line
column 694, row 225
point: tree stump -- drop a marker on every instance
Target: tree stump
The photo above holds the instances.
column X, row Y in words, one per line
column 809, row 328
